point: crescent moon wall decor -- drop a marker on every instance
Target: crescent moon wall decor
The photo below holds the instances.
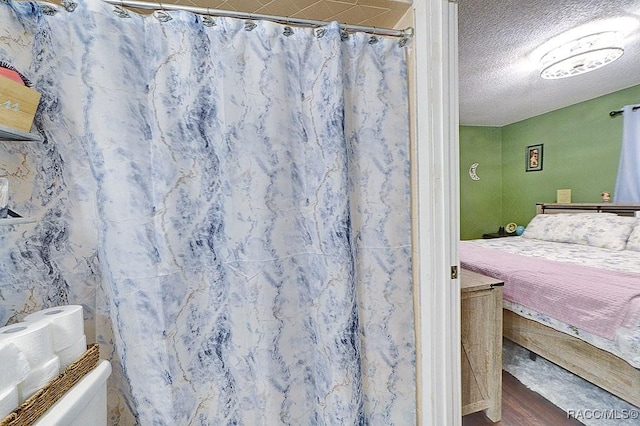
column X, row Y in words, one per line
column 472, row 172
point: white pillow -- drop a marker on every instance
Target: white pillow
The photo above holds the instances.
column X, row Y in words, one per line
column 634, row 239
column 605, row 230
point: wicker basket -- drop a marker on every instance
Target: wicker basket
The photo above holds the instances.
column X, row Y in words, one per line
column 34, row 407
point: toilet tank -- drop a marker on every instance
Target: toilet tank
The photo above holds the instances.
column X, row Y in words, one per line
column 84, row 404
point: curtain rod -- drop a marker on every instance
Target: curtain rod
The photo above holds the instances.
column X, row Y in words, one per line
column 406, row 33
column 614, row 113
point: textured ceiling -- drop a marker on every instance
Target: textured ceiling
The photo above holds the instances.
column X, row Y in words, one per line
column 374, row 13
column 500, row 79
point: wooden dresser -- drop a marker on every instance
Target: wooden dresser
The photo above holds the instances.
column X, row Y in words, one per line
column 481, row 330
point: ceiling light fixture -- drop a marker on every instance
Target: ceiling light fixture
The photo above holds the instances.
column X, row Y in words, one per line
column 582, row 55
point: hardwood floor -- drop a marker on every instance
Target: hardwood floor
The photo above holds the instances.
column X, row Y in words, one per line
column 522, row 407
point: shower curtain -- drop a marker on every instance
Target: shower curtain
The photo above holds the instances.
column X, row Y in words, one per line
column 242, row 190
column 627, row 188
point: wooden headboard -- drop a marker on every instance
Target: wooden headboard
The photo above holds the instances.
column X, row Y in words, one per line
column 621, row 209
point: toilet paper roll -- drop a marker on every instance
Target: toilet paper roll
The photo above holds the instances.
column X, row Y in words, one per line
column 14, row 366
column 72, row 353
column 38, row 377
column 67, row 324
column 32, row 338
column 8, row 401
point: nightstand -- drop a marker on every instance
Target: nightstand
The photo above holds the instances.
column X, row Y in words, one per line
column 481, row 332
column 497, row 235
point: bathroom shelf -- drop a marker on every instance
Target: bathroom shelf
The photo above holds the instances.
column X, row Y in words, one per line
column 9, row 134
column 14, row 218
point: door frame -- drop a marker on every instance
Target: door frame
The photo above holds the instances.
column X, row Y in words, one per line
column 435, row 210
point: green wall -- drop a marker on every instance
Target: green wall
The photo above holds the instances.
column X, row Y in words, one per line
column 481, row 200
column 581, row 152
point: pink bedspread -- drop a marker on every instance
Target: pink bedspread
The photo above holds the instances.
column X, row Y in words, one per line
column 592, row 299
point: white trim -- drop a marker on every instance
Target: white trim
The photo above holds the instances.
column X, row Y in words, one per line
column 437, row 215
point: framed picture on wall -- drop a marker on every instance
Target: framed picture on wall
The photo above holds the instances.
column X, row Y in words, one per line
column 534, row 158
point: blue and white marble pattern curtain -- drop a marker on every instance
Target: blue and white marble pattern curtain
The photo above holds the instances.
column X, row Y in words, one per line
column 235, row 211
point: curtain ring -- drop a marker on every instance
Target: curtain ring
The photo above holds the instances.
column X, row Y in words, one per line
column 249, row 25
column 208, row 19
column 373, row 39
column 69, row 5
column 161, row 15
column 121, row 11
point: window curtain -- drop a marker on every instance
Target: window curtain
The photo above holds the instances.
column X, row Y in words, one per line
column 627, row 189
column 236, row 208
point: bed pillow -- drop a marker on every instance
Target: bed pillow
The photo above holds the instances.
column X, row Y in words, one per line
column 561, row 227
column 634, row 239
column 605, row 230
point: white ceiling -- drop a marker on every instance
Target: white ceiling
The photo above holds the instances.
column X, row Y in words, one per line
column 500, row 79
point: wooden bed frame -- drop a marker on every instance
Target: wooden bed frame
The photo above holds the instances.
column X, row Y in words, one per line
column 621, row 209
column 601, row 368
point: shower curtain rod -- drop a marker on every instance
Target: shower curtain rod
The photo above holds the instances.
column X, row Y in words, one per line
column 614, row 113
column 406, row 33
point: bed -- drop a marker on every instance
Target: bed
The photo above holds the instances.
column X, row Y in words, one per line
column 572, row 290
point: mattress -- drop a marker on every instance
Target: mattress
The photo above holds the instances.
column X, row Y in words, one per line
column 625, row 341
